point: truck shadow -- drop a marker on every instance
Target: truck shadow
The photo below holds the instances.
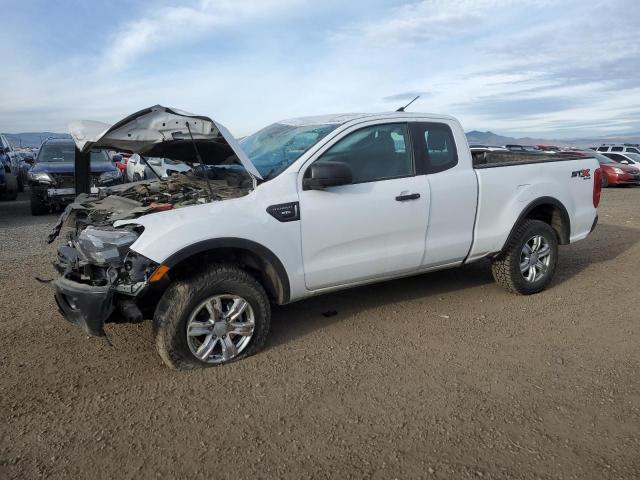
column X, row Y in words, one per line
column 299, row 319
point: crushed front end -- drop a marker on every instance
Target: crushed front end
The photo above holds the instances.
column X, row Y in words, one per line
column 101, row 279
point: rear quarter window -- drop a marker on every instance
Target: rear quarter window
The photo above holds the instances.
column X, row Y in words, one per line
column 434, row 146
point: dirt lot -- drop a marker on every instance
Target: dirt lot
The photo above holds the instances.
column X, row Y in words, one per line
column 438, row 376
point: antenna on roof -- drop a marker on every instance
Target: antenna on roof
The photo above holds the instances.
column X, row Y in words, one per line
column 401, row 109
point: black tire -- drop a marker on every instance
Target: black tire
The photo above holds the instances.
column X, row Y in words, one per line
column 20, row 184
column 136, row 177
column 506, row 267
column 605, row 180
column 38, row 207
column 185, row 294
column 11, row 192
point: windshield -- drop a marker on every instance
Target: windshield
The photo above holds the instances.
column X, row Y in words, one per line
column 66, row 152
column 277, row 146
column 633, row 156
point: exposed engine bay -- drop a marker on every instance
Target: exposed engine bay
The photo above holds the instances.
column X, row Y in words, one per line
column 133, row 200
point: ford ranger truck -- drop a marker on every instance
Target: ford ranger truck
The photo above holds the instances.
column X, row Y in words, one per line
column 300, row 208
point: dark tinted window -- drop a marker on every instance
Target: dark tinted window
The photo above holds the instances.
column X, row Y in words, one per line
column 374, row 153
column 616, row 149
column 435, row 147
column 66, row 152
column 603, row 149
column 615, row 156
column 633, row 150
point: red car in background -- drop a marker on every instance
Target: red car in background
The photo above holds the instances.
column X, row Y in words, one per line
column 120, row 161
column 613, row 173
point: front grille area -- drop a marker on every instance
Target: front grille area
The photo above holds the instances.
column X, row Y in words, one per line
column 64, row 180
column 67, row 180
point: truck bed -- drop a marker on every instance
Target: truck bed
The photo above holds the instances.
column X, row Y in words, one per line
column 510, row 183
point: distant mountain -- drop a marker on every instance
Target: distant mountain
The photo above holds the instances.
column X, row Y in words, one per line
column 32, row 139
column 490, row 138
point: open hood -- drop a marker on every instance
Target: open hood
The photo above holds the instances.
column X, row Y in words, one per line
column 164, row 132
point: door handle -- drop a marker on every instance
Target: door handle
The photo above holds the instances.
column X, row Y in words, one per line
column 404, row 198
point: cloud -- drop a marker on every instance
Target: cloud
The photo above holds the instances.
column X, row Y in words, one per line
column 508, row 66
column 430, row 20
column 405, row 96
column 174, row 26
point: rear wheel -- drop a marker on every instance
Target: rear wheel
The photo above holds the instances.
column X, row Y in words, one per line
column 528, row 263
column 213, row 317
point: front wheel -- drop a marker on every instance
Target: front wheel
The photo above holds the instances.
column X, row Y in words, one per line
column 38, row 207
column 528, row 263
column 605, row 180
column 219, row 315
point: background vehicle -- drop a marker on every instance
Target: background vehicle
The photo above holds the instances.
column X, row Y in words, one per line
column 8, row 180
column 52, row 178
column 27, row 159
column 523, row 148
column 628, row 158
column 137, row 170
column 613, row 173
column 548, row 148
column 118, row 161
column 326, row 203
column 619, row 148
column 13, row 161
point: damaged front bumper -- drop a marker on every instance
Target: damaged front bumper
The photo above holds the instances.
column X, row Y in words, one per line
column 87, row 306
column 90, row 295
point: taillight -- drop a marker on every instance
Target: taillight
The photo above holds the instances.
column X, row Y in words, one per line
column 597, row 186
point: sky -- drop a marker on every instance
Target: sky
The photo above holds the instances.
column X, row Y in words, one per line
column 560, row 69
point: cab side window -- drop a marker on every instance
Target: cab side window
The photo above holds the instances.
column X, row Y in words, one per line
column 435, row 147
column 375, row 153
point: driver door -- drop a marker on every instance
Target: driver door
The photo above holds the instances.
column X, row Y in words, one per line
column 374, row 227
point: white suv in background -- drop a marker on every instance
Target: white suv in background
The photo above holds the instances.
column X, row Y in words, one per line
column 618, row 148
column 164, row 167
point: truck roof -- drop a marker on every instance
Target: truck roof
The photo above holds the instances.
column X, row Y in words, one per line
column 342, row 118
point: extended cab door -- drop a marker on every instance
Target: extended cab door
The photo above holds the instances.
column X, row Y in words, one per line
column 374, row 227
column 453, row 186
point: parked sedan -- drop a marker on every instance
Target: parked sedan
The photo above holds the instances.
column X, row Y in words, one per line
column 632, row 159
column 613, row 173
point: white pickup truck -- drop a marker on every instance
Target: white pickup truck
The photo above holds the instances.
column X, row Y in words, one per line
column 300, row 208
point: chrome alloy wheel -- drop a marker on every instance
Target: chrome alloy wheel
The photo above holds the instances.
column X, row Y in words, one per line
column 220, row 328
column 534, row 258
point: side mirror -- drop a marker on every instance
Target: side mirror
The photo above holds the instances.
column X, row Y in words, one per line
column 626, row 162
column 328, row 174
column 155, row 163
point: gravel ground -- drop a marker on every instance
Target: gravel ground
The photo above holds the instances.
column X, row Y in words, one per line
column 438, row 376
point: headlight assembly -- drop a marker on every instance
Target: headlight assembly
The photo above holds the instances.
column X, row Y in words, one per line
column 617, row 170
column 40, row 177
column 106, row 247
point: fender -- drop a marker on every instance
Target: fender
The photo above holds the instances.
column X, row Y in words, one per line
column 260, row 251
column 564, row 235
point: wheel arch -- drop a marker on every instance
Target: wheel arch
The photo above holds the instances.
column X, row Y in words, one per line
column 549, row 210
column 249, row 254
